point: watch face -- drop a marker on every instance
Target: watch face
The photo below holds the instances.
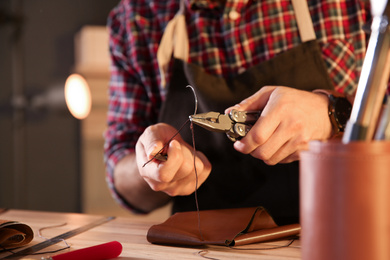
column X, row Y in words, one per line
column 342, row 109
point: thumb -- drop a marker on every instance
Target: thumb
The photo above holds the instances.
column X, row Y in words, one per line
column 255, row 102
column 152, row 149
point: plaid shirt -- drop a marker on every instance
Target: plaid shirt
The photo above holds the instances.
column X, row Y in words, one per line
column 225, row 38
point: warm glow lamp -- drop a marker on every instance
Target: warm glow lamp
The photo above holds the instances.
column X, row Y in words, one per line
column 78, row 96
column 74, row 96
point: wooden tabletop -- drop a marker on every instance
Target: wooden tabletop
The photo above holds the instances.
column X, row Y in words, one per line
column 131, row 233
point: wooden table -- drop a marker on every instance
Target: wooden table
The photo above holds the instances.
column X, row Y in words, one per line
column 131, row 233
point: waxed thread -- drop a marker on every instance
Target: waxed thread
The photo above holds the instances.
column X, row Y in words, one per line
column 167, row 143
column 196, row 181
column 193, row 155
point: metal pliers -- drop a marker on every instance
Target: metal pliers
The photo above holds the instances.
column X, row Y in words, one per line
column 236, row 124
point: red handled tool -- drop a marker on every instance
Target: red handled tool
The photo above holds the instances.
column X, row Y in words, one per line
column 99, row 252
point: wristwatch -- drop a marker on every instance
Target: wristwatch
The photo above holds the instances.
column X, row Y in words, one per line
column 339, row 109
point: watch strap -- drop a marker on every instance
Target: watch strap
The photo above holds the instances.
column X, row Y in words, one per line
column 333, row 95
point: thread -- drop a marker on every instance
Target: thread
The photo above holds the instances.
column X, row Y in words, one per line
column 160, row 153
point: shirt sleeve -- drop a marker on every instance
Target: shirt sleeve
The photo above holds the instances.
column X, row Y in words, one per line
column 131, row 106
column 343, row 44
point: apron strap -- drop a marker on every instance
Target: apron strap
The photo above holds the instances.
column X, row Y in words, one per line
column 174, row 39
column 305, row 24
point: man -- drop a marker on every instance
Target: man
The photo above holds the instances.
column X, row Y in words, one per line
column 249, row 53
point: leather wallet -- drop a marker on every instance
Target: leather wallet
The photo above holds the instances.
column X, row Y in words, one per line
column 225, row 227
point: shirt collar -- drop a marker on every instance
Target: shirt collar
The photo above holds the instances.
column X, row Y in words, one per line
column 206, row 4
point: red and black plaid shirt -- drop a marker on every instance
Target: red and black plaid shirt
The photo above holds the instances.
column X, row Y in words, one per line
column 222, row 45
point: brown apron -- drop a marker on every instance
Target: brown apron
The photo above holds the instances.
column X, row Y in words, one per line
column 239, row 180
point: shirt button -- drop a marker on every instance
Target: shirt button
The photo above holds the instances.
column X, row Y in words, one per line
column 234, row 15
column 241, row 70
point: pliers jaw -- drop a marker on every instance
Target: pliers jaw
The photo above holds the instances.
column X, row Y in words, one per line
column 213, row 121
column 233, row 126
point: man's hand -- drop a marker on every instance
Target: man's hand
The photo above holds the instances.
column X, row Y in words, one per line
column 176, row 176
column 290, row 118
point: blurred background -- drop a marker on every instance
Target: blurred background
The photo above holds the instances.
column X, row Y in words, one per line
column 50, row 160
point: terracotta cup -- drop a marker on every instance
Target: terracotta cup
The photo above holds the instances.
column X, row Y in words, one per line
column 345, row 201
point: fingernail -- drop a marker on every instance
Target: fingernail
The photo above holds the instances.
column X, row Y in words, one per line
column 175, row 144
column 238, row 145
column 232, row 107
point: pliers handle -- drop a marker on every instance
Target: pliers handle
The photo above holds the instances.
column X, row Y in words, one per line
column 236, row 124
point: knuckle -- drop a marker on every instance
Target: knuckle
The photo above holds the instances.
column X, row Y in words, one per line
column 299, row 125
column 156, row 186
column 200, row 166
column 284, row 107
column 301, row 139
column 270, row 162
column 165, row 177
column 261, row 154
column 173, row 192
column 258, row 138
column 187, row 166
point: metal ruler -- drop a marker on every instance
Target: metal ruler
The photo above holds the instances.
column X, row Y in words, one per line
column 33, row 249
